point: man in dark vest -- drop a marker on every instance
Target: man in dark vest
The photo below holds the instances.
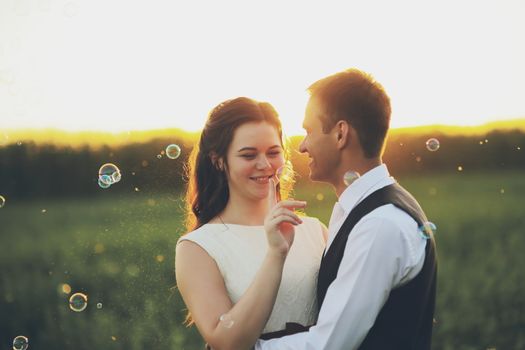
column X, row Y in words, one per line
column 377, row 280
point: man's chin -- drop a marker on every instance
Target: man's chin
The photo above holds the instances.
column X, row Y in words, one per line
column 317, row 176
column 313, row 176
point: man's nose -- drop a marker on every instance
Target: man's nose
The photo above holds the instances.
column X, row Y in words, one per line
column 302, row 146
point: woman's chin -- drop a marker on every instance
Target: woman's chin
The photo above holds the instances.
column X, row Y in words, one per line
column 260, row 193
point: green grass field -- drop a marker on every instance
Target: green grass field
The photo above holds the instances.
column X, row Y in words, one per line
column 119, row 250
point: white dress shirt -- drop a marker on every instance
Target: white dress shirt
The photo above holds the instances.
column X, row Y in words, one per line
column 384, row 251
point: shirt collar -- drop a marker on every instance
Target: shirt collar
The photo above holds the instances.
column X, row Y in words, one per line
column 370, row 181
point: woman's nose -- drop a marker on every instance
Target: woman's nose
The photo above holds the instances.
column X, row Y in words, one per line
column 263, row 163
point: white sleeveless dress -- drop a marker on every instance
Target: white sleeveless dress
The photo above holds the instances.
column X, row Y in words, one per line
column 239, row 252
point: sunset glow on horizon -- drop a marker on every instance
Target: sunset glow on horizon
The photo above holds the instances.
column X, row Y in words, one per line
column 118, row 66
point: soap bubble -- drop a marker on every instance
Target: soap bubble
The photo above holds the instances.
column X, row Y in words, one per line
column 106, row 179
column 116, row 177
column 173, row 151
column 284, row 173
column 350, row 176
column 20, row 343
column 99, row 306
column 427, row 229
column 102, row 184
column 78, row 302
column 226, row 321
column 2, row 201
column 432, row 144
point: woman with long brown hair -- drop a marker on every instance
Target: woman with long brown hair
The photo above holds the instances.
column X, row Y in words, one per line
column 249, row 263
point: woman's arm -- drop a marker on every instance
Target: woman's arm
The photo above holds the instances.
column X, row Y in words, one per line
column 202, row 288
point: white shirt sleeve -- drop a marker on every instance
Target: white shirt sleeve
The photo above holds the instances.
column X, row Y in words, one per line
column 375, row 260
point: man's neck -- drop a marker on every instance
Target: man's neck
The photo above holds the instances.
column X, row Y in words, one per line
column 361, row 166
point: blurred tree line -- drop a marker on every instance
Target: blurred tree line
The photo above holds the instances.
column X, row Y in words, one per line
column 29, row 170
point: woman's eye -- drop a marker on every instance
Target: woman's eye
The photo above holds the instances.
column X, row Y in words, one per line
column 275, row 154
column 248, row 156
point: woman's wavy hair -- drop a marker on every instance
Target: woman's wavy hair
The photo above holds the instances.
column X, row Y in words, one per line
column 207, row 191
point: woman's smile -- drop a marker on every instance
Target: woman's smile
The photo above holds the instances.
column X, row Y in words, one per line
column 261, row 179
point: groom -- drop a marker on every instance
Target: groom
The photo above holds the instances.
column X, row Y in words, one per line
column 377, row 280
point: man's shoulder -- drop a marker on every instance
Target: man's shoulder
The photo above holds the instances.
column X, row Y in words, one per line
column 391, row 216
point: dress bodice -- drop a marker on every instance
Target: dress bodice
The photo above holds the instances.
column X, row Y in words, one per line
column 239, row 251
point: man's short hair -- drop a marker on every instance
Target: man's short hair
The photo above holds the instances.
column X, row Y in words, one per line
column 354, row 96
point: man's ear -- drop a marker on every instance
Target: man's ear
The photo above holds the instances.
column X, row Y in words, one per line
column 343, row 133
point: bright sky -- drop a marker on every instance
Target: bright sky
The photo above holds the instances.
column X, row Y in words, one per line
column 118, row 65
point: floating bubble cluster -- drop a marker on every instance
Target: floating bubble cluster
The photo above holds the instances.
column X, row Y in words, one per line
column 108, row 174
column 20, row 343
column 432, row 144
column 350, row 176
column 78, row 302
column 427, row 230
column 173, row 151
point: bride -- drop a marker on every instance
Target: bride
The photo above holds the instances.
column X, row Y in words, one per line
column 249, row 263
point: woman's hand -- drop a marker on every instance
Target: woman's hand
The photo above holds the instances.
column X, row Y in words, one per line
column 280, row 221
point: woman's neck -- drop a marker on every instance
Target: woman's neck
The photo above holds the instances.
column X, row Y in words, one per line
column 242, row 211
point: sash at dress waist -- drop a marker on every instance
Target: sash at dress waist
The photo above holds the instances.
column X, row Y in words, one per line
column 291, row 328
